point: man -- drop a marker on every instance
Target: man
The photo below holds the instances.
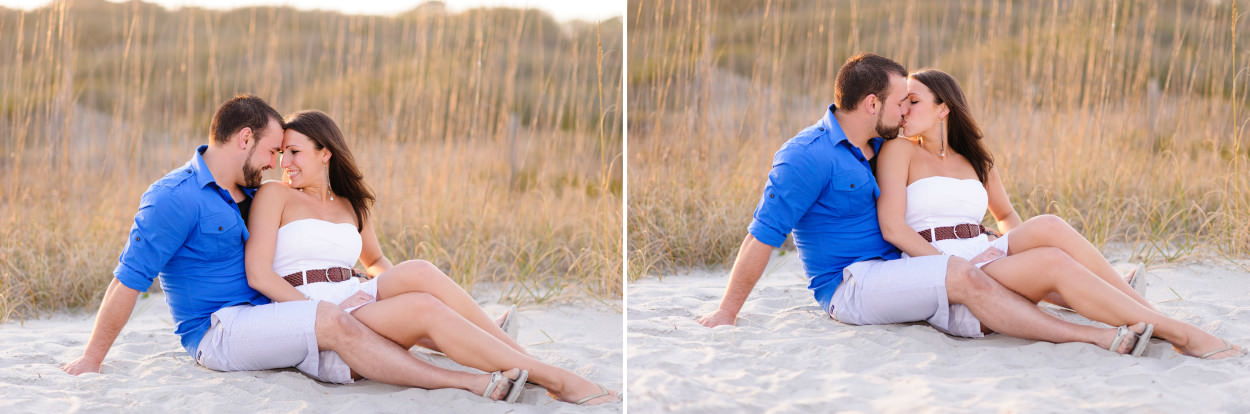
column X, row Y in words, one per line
column 190, row 230
column 822, row 188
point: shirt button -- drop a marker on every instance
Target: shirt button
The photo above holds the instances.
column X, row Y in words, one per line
column 218, row 228
column 136, row 238
column 770, row 195
column 822, row 129
column 852, row 185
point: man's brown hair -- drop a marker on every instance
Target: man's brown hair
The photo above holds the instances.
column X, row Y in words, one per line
column 862, row 75
column 243, row 111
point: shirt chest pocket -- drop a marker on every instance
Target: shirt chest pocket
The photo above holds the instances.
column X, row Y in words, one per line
column 219, row 235
column 851, row 193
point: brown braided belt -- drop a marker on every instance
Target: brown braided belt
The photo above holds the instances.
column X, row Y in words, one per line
column 333, row 274
column 958, row 231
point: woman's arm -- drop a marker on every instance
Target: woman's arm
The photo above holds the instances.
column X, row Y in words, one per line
column 263, row 223
column 1000, row 205
column 371, row 256
column 892, row 165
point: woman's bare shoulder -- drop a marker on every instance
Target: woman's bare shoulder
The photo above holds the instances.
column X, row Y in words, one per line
column 273, row 190
column 899, row 145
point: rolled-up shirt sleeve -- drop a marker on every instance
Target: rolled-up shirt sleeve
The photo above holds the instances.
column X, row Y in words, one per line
column 161, row 227
column 794, row 183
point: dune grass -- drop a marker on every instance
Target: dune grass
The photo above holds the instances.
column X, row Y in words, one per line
column 491, row 136
column 1127, row 118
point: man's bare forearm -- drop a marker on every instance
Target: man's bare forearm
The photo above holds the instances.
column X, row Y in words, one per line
column 115, row 310
column 748, row 267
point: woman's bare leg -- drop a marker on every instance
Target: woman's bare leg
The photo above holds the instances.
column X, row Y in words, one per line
column 419, row 276
column 1055, row 299
column 411, row 317
column 1037, row 272
column 1052, row 231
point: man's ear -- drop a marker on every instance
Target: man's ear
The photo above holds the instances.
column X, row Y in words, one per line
column 243, row 138
column 870, row 102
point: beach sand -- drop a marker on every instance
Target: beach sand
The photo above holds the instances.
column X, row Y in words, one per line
column 148, row 371
column 786, row 355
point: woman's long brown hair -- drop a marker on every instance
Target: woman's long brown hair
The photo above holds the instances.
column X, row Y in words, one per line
column 345, row 178
column 962, row 133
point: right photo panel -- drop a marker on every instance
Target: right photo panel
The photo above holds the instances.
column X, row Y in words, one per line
column 909, row 206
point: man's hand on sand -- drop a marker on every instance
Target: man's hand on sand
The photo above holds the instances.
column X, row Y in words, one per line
column 717, row 318
column 82, row 365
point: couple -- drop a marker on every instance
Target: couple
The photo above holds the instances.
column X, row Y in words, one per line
column 854, row 200
column 293, row 300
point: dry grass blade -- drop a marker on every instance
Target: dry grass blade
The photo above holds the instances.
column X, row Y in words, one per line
column 491, row 136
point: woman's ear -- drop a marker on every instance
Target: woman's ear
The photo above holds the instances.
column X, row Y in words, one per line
column 325, row 157
column 943, row 110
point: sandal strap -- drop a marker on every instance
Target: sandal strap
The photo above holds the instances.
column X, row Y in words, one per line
column 1227, row 347
column 518, row 386
column 603, row 392
column 496, row 378
column 1121, row 333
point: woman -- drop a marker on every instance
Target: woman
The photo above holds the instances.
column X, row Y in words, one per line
column 935, row 187
column 306, row 235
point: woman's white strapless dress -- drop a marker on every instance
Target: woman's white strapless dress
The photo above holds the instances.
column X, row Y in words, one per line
column 309, row 244
column 940, row 201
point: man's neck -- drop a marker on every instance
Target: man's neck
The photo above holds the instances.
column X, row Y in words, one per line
column 857, row 130
column 219, row 165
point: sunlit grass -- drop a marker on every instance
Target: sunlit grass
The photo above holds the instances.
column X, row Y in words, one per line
column 1126, row 118
column 492, row 137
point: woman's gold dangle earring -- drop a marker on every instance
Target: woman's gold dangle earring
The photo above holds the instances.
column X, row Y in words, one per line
column 942, row 153
column 329, row 190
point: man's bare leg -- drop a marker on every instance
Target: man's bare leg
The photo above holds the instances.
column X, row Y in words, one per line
column 1006, row 312
column 374, row 357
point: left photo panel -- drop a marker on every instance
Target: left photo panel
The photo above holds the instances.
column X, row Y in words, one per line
column 311, row 208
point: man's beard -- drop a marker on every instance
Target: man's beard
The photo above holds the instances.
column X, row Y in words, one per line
column 884, row 131
column 251, row 175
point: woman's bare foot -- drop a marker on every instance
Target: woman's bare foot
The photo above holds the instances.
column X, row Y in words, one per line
column 1128, row 276
column 501, row 387
column 1126, row 345
column 502, row 317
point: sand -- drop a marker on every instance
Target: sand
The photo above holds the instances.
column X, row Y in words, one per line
column 785, row 355
column 147, row 370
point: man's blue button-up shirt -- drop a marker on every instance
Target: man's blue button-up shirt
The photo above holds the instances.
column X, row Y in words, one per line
column 189, row 232
column 822, row 188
